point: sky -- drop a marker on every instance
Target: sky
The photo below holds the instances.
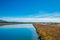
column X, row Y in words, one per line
column 30, row 9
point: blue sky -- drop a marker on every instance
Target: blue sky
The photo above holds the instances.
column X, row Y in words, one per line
column 30, row 8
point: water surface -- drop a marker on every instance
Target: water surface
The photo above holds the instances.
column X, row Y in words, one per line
column 18, row 32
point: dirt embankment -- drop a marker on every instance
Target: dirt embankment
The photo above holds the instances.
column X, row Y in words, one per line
column 48, row 31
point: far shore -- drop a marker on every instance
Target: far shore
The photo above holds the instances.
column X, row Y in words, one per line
column 9, row 23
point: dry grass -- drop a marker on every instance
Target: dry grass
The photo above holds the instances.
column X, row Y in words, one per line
column 48, row 31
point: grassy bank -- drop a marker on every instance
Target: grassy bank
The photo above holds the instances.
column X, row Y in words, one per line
column 48, row 31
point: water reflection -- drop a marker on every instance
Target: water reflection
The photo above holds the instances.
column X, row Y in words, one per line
column 18, row 32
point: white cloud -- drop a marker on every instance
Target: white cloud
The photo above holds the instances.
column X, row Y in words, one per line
column 46, row 15
column 32, row 19
column 39, row 17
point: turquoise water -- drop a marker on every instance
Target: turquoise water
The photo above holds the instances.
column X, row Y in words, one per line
column 18, row 32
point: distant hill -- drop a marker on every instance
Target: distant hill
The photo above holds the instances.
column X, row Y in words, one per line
column 2, row 21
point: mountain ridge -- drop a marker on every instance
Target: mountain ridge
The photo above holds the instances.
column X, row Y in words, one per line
column 2, row 21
